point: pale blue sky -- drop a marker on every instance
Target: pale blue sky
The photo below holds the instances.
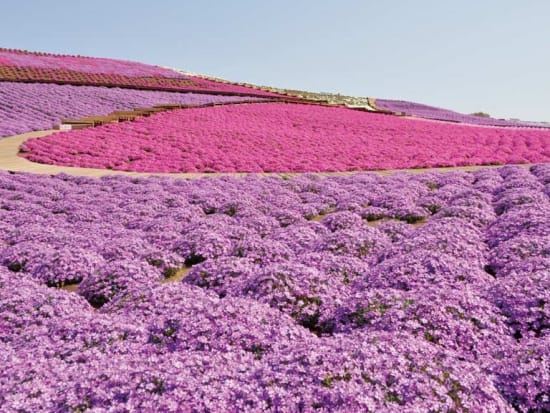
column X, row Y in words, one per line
column 490, row 55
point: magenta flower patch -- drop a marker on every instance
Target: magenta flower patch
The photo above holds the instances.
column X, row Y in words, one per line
column 274, row 137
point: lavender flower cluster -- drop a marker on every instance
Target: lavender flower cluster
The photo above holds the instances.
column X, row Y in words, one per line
column 404, row 293
column 36, row 106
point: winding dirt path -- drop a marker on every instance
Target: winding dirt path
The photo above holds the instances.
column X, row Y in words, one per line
column 11, row 161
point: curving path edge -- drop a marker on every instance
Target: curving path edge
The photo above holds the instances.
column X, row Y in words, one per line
column 11, row 161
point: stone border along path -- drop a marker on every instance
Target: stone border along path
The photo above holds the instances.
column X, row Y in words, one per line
column 10, row 161
column 130, row 115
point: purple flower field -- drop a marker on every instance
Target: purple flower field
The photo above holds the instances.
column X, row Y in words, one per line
column 358, row 293
column 431, row 112
column 25, row 107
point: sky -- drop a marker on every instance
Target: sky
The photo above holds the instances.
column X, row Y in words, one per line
column 469, row 55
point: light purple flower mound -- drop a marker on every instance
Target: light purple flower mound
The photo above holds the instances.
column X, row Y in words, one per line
column 405, row 293
column 25, row 107
column 430, row 112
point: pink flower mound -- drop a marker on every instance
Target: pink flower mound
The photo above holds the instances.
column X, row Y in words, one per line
column 19, row 58
column 275, row 137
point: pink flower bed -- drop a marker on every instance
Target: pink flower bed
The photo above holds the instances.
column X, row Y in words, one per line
column 25, row 66
column 275, row 137
column 22, row 58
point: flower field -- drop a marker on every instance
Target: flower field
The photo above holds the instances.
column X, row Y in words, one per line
column 25, row 107
column 405, row 293
column 23, row 66
column 425, row 292
column 96, row 65
column 275, row 137
column 431, row 112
